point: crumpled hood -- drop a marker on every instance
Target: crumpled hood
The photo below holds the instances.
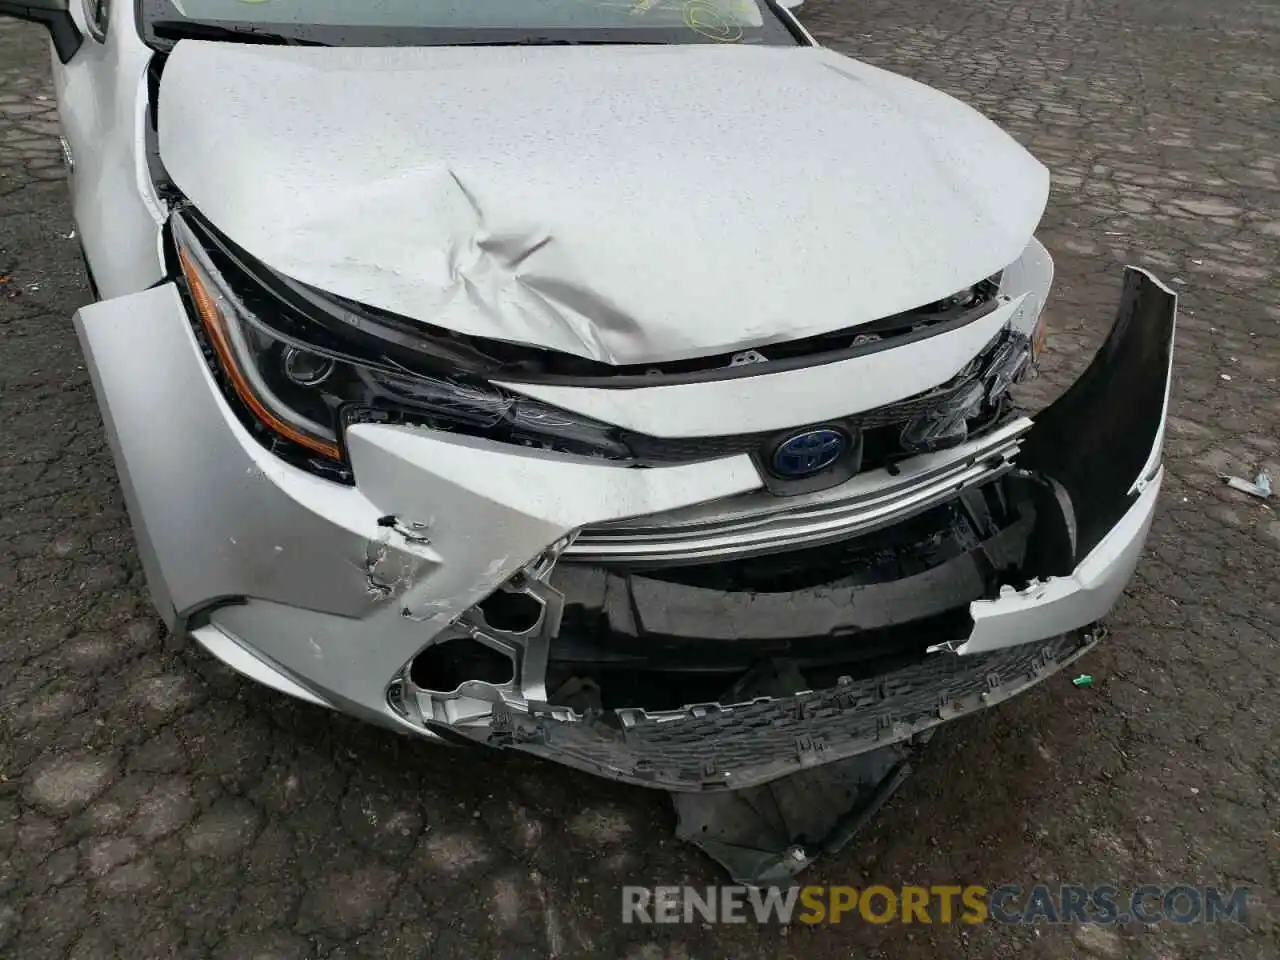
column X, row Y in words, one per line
column 626, row 204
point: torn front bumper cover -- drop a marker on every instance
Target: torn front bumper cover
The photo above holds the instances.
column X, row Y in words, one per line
column 1097, row 453
column 343, row 595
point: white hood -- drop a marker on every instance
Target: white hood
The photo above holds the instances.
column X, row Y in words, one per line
column 627, row 204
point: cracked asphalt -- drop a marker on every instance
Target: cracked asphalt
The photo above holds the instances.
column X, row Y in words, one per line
column 154, row 805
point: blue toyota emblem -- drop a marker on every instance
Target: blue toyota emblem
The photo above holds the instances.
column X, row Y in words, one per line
column 808, row 453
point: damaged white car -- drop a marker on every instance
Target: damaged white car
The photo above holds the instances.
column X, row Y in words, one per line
column 624, row 383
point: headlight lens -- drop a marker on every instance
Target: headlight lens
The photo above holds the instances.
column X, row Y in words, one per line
column 248, row 356
column 302, row 378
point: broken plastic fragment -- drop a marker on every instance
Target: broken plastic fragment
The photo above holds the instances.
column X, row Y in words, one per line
column 937, row 431
column 1260, row 487
column 764, row 836
column 1084, row 680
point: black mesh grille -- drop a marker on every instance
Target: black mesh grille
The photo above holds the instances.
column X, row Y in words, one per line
column 714, row 748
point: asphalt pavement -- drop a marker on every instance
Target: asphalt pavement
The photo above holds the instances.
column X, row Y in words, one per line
column 154, row 805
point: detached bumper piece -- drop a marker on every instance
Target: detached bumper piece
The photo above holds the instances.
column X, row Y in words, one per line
column 1101, row 440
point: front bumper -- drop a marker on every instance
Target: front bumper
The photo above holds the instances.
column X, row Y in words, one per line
column 331, row 593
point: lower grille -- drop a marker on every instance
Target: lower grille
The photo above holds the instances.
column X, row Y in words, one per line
column 733, row 746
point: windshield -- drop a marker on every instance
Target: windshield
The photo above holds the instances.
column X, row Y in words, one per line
column 432, row 22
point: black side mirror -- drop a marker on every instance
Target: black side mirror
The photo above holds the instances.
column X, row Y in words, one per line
column 56, row 17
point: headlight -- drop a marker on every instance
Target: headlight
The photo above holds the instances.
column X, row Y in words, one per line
column 299, row 370
column 256, row 364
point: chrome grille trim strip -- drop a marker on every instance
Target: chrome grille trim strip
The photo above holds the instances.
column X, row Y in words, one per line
column 760, row 522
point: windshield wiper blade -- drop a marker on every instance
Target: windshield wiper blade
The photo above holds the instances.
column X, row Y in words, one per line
column 229, row 32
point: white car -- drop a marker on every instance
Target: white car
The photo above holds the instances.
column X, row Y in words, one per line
column 625, row 383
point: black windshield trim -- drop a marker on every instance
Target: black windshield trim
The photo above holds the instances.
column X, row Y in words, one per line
column 174, row 30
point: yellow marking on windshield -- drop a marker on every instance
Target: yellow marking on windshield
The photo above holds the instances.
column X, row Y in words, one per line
column 702, row 17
